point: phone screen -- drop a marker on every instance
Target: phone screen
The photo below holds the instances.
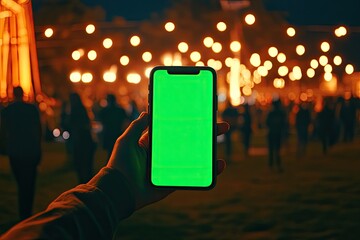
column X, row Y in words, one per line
column 182, row 127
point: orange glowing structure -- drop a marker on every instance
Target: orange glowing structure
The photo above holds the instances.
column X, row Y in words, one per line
column 18, row 57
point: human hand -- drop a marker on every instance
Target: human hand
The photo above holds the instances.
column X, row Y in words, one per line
column 129, row 156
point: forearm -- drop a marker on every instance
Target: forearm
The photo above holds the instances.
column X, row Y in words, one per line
column 89, row 211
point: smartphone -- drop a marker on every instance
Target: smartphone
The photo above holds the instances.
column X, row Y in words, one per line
column 182, row 128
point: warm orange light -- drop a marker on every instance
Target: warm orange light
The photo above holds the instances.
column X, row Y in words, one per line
column 283, row 70
column 340, row 31
column 216, row 47
column 291, row 31
column 323, row 60
column 147, row 56
column 349, row 69
column 314, row 63
column 263, row 71
column 49, row 32
column 273, row 51
column 90, row 28
column 279, row 83
column 228, row 61
column 195, row 56
column 148, row 71
column 268, row 64
column 107, row 43
column 124, row 60
column 328, row 68
column 325, row 46
column 297, row 74
column 134, row 78
column 76, row 55
column 337, row 60
column 328, row 76
column 221, row 26
column 75, row 76
column 199, row 63
column 86, row 77
column 247, row 91
column 281, row 57
column 300, row 50
column 183, row 47
column 135, row 41
column 92, row 55
column 235, row 46
column 169, row 26
column 255, row 60
column 250, row 19
column 208, row 42
column 310, row 72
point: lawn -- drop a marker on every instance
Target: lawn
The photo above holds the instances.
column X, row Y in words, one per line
column 317, row 197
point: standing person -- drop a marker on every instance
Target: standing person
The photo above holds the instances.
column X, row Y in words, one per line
column 21, row 129
column 82, row 143
column 114, row 120
column 302, row 123
column 230, row 115
column 246, row 129
column 275, row 121
column 325, row 124
column 348, row 119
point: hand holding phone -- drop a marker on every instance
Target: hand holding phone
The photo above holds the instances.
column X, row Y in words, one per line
column 182, row 129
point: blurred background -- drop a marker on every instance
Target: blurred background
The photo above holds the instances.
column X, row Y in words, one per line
column 298, row 52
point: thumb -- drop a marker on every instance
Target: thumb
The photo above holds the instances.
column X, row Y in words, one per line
column 136, row 128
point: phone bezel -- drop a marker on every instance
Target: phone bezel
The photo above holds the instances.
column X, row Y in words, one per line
column 184, row 70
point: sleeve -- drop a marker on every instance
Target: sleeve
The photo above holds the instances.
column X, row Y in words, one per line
column 88, row 211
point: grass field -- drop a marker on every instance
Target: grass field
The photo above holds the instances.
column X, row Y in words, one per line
column 317, row 197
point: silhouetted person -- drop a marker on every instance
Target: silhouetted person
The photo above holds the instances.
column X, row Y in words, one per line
column 348, row 119
column 246, row 129
column 275, row 121
column 114, row 120
column 134, row 111
column 82, row 143
column 230, row 115
column 325, row 125
column 302, row 123
column 21, row 128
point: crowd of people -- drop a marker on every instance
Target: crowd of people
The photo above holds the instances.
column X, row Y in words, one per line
column 336, row 120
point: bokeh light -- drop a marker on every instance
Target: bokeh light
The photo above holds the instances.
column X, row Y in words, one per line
column 49, row 32
column 147, row 56
column 169, row 26
column 310, row 72
column 300, row 50
column 75, row 76
column 273, row 52
column 90, row 28
column 92, row 55
column 134, row 78
column 328, row 68
column 337, row 60
column 124, row 60
column 107, row 43
column 323, row 60
column 183, row 47
column 208, row 42
column 235, row 46
column 314, row 63
column 349, row 69
column 86, row 77
column 281, row 57
column 325, row 46
column 328, row 76
column 216, row 47
column 195, row 56
column 283, row 70
column 290, row 31
column 250, row 19
column 340, row 31
column 255, row 60
column 135, row 40
column 221, row 26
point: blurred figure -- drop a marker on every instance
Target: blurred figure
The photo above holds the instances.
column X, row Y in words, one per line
column 325, row 125
column 348, row 119
column 133, row 111
column 275, row 121
column 21, row 129
column 302, row 123
column 114, row 120
column 246, row 129
column 230, row 115
column 82, row 143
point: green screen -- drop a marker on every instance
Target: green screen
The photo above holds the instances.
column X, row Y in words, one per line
column 182, row 129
